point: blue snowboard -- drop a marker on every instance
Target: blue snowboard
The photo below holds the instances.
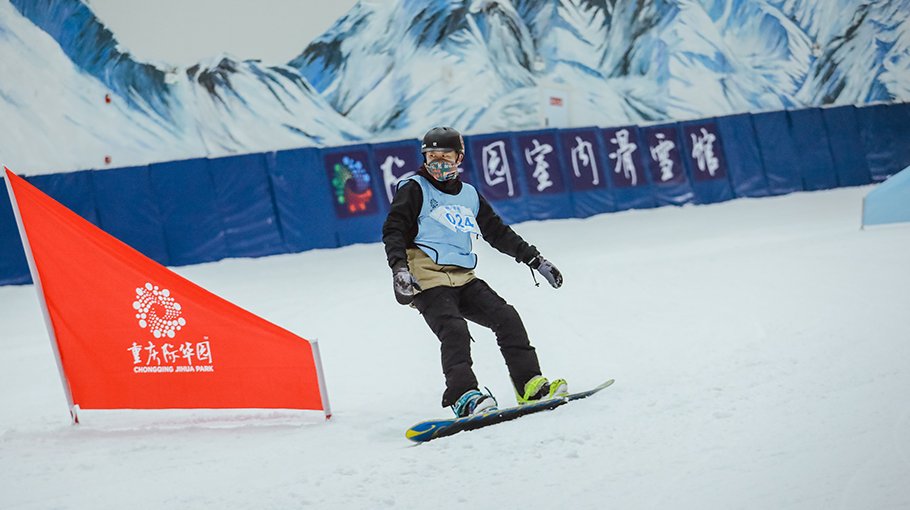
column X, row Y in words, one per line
column 434, row 429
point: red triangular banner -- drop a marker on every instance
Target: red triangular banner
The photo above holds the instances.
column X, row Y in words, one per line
column 131, row 334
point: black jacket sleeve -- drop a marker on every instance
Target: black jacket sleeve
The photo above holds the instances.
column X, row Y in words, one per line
column 400, row 227
column 501, row 236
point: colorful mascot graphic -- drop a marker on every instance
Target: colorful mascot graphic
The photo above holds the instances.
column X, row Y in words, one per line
column 351, row 183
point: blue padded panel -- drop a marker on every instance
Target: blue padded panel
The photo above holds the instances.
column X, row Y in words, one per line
column 778, row 152
column 189, row 211
column 243, row 194
column 127, row 210
column 13, row 265
column 846, row 143
column 812, row 148
column 304, row 208
column 886, row 131
column 744, row 161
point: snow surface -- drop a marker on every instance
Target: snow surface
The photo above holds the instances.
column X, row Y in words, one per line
column 759, row 347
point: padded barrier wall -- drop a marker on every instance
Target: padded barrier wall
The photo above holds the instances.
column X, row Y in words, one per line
column 201, row 210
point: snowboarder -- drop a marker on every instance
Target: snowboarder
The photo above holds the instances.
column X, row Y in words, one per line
column 427, row 237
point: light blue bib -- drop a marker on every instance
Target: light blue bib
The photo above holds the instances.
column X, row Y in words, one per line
column 446, row 223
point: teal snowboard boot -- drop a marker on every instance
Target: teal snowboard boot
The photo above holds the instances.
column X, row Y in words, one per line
column 474, row 402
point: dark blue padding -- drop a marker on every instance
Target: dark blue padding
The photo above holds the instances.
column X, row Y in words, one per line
column 355, row 190
column 662, row 150
column 744, row 162
column 902, row 111
column 845, row 141
column 304, row 208
column 395, row 161
column 189, row 212
column 497, row 174
column 547, row 196
column 625, row 166
column 886, row 131
column 243, row 194
column 466, row 170
column 127, row 210
column 706, row 161
column 778, row 152
column 585, row 163
column 73, row 190
column 13, row 264
column 812, row 148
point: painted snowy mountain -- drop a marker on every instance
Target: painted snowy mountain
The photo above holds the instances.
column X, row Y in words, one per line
column 390, row 69
column 58, row 63
column 472, row 63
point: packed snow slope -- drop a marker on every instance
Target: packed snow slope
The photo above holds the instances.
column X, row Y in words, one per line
column 759, row 347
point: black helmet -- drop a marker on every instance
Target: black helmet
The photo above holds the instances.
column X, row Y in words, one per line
column 441, row 138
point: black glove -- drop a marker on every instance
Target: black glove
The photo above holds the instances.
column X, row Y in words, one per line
column 405, row 285
column 548, row 270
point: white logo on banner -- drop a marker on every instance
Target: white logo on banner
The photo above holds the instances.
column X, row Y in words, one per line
column 661, row 154
column 169, row 358
column 388, row 174
column 623, row 156
column 496, row 166
column 159, row 313
column 703, row 151
column 537, row 156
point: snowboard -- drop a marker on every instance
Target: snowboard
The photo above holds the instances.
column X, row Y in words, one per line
column 434, row 429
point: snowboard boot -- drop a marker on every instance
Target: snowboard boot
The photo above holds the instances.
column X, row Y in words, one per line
column 474, row 402
column 539, row 388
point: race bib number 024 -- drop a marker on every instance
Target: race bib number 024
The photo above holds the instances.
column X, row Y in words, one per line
column 456, row 217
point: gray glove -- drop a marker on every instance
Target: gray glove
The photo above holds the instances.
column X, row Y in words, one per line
column 405, row 285
column 547, row 270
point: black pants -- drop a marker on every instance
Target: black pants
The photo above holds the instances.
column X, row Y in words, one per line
column 445, row 310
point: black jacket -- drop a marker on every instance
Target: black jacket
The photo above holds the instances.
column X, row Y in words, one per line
column 400, row 227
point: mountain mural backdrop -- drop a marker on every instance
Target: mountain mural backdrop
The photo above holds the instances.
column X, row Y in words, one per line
column 70, row 97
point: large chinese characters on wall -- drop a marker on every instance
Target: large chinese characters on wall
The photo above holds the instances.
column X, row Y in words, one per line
column 395, row 163
column 662, row 157
column 705, row 151
column 495, row 168
column 624, row 152
column 585, row 169
column 540, row 162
